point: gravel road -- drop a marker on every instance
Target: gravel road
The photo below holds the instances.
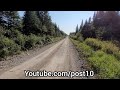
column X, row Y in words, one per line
column 60, row 56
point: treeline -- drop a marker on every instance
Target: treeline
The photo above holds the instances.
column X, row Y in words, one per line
column 104, row 25
column 34, row 29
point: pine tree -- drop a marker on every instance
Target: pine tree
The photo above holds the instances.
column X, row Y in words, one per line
column 10, row 19
column 89, row 20
column 77, row 29
column 81, row 26
column 31, row 23
column 13, row 19
column 2, row 21
column 41, row 15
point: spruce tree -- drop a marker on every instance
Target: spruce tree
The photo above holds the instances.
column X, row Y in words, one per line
column 31, row 23
column 77, row 29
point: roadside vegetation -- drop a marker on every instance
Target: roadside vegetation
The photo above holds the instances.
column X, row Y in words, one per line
column 34, row 29
column 98, row 41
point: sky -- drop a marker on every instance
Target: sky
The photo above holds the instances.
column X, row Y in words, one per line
column 68, row 20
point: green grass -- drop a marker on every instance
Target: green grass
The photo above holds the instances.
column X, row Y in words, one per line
column 105, row 65
column 81, row 46
column 105, row 46
column 94, row 43
column 103, row 57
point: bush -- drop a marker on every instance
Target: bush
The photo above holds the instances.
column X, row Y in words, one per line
column 80, row 38
column 17, row 36
column 106, row 46
column 12, row 33
column 55, row 39
column 74, row 37
column 43, row 40
column 87, row 50
column 2, row 30
column 8, row 47
column 32, row 40
column 117, row 55
column 48, row 40
column 39, row 42
column 109, row 47
column 20, row 40
column 94, row 43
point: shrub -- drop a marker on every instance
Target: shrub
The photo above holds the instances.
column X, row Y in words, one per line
column 94, row 43
column 106, row 46
column 12, row 33
column 109, row 47
column 32, row 40
column 55, row 39
column 74, row 37
column 2, row 30
column 43, row 40
column 117, row 55
column 80, row 38
column 20, row 40
column 17, row 36
column 87, row 50
column 48, row 39
column 75, row 42
column 40, row 42
column 8, row 47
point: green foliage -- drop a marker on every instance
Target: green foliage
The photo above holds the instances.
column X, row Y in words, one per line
column 10, row 19
column 20, row 40
column 94, row 43
column 74, row 37
column 101, row 33
column 105, row 26
column 77, row 29
column 34, row 30
column 56, row 39
column 31, row 41
column 2, row 30
column 79, row 37
column 86, row 50
column 117, row 55
column 17, row 36
column 44, row 29
column 106, row 46
column 31, row 23
column 105, row 64
column 48, row 39
column 8, row 47
column 110, row 48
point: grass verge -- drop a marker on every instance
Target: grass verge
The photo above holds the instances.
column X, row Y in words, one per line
column 104, row 61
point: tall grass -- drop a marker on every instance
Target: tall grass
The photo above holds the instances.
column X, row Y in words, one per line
column 103, row 57
column 105, row 65
column 106, row 46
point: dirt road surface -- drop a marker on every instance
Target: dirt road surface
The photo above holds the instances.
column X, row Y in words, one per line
column 60, row 57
